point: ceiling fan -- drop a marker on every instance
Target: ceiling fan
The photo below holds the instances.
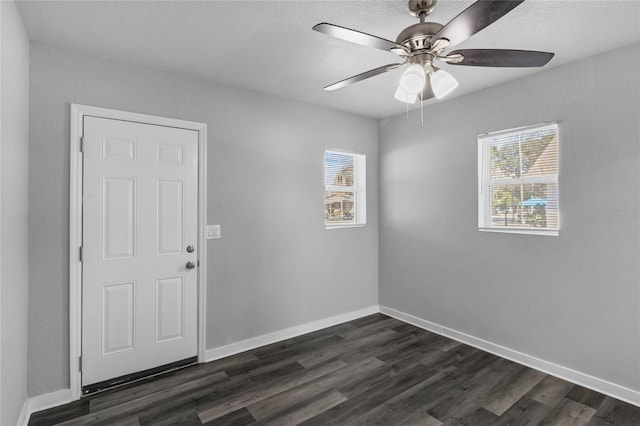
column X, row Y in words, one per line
column 422, row 44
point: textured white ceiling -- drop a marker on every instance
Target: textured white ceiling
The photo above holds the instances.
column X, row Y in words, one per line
column 269, row 45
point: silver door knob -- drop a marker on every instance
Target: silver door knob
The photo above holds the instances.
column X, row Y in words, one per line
column 190, row 249
column 190, row 265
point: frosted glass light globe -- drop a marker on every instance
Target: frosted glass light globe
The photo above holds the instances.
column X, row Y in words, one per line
column 412, row 81
column 403, row 96
column 442, row 83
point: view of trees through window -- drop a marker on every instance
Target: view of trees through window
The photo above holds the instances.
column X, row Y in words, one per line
column 523, row 169
column 520, row 205
column 340, row 192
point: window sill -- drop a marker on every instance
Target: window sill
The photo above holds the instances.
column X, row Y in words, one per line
column 354, row 225
column 525, row 231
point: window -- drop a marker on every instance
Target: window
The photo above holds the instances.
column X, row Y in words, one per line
column 344, row 195
column 518, row 180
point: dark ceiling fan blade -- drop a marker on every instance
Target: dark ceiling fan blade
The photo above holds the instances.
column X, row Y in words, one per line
column 479, row 15
column 357, row 37
column 363, row 76
column 501, row 58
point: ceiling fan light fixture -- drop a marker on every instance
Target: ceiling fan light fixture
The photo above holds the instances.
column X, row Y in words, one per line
column 442, row 83
column 402, row 96
column 412, row 80
column 420, row 45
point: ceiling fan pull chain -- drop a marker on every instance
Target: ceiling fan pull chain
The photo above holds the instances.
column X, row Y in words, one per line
column 421, row 112
column 407, row 105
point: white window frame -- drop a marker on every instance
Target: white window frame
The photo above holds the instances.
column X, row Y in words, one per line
column 485, row 182
column 359, row 189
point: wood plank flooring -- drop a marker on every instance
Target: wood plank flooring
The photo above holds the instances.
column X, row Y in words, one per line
column 372, row 371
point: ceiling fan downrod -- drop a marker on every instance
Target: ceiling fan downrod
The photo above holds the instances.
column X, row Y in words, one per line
column 419, row 37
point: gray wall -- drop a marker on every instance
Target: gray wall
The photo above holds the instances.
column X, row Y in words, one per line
column 14, row 124
column 574, row 299
column 275, row 266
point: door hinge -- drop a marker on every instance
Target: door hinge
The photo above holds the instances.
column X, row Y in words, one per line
column 80, row 254
column 80, row 363
column 81, row 143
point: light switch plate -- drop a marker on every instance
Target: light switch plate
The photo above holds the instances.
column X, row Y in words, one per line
column 213, row 232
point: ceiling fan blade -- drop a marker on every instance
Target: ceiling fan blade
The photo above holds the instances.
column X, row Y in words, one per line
column 479, row 15
column 501, row 58
column 363, row 76
column 357, row 37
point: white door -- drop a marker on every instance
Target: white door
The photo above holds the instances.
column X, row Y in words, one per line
column 139, row 289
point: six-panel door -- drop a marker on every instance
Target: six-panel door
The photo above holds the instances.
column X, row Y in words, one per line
column 139, row 300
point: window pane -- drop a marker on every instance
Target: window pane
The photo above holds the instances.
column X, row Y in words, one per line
column 526, row 154
column 524, row 206
column 339, row 207
column 338, row 169
column 345, row 189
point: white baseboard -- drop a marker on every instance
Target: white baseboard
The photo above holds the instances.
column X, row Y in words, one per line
column 594, row 383
column 287, row 333
column 42, row 402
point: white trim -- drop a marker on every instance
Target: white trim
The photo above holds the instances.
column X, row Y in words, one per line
column 622, row 393
column 486, row 182
column 202, row 241
column 42, row 402
column 518, row 129
column 75, row 241
column 75, row 226
column 599, row 385
column 353, row 225
column 359, row 189
column 344, row 151
column 526, row 231
column 64, row 396
column 287, row 333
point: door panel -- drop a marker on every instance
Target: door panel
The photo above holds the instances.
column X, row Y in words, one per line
column 117, row 318
column 118, row 217
column 113, row 149
column 169, row 219
column 139, row 301
column 170, row 309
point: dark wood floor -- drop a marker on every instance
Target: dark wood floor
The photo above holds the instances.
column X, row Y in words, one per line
column 374, row 370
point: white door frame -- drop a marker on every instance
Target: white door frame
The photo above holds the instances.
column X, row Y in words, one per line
column 75, row 226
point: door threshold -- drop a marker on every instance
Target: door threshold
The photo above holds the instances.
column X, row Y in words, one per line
column 134, row 377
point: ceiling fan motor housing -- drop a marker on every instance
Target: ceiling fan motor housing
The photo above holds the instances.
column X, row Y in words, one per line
column 418, row 36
